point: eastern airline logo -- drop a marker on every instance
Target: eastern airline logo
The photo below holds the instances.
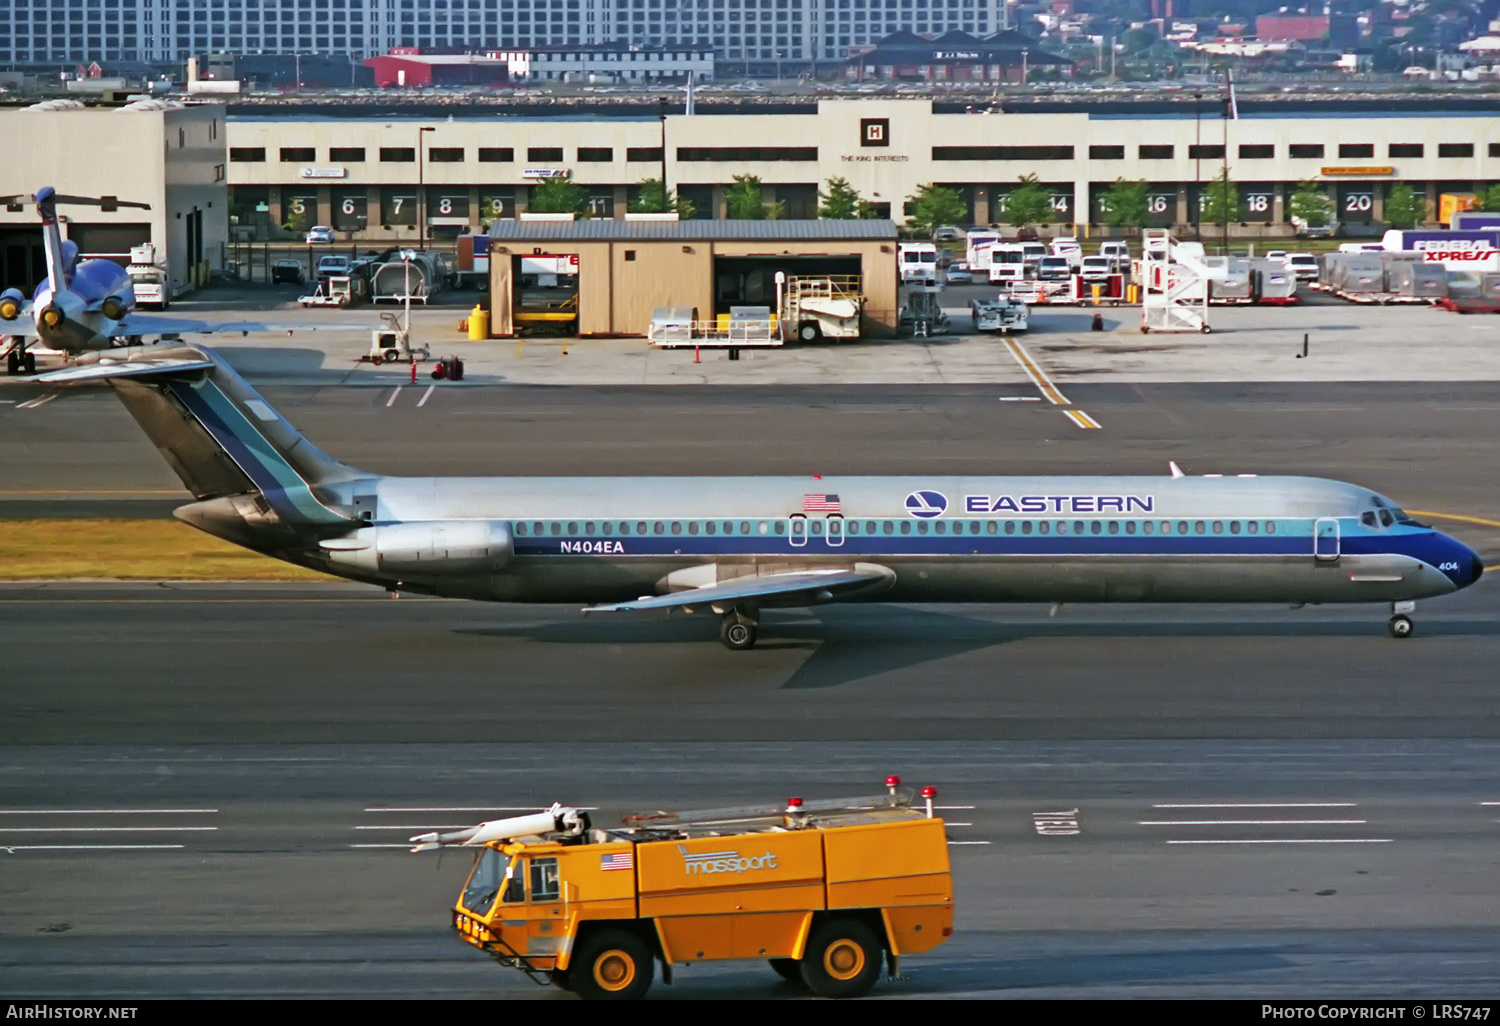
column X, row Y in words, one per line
column 926, row 504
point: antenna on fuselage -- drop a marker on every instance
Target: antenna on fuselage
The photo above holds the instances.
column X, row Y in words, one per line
column 1176, row 470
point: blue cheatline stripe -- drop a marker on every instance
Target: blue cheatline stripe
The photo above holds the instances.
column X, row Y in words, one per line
column 267, row 469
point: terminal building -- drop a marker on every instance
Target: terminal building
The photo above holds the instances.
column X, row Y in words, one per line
column 384, row 176
column 165, row 154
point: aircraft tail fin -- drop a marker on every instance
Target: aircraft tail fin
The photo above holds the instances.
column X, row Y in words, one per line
column 218, row 434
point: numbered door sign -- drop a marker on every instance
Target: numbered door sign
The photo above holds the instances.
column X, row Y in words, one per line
column 1161, row 209
column 493, row 206
column 398, row 206
column 444, row 206
column 300, row 212
column 1257, row 204
column 601, row 204
column 349, row 211
column 1062, row 205
column 1356, row 203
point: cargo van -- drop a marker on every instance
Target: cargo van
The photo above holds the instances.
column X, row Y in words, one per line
column 918, row 263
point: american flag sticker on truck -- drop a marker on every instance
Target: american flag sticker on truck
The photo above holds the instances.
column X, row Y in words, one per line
column 619, row 860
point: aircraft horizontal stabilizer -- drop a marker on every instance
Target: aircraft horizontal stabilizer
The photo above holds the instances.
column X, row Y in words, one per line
column 156, row 366
column 810, row 586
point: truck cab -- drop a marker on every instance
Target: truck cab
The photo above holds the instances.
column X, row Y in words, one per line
column 827, row 892
column 918, row 263
column 148, row 277
column 1007, row 263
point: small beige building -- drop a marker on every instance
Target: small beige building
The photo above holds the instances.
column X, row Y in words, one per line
column 627, row 269
column 163, row 153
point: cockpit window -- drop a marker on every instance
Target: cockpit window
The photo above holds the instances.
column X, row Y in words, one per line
column 1403, row 518
column 1375, row 500
column 1386, row 520
column 1367, row 518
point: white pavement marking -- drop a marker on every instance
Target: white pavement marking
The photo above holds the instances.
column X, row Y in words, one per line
column 1257, row 805
column 1020, row 398
column 91, row 847
column 1250, row 822
column 408, row 845
column 42, row 401
column 1301, row 840
column 420, row 826
column 394, row 396
column 425, row 396
column 954, row 808
column 99, row 812
column 967, row 842
column 103, row 830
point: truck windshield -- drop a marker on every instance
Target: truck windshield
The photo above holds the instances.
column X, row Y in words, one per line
column 484, row 883
column 145, row 279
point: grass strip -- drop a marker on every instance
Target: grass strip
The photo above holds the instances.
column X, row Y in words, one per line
column 130, row 550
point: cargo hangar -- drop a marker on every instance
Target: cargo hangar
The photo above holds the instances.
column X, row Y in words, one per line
column 376, row 176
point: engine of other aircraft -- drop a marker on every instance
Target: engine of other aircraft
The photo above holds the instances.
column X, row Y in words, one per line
column 424, row 548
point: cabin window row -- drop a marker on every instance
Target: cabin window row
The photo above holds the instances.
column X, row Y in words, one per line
column 814, row 527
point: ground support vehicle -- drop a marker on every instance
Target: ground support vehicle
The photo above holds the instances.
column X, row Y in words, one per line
column 918, row 263
column 823, row 306
column 923, row 315
column 1071, row 291
column 148, row 277
column 826, row 891
column 334, row 290
column 678, row 327
column 1174, row 281
column 1001, row 314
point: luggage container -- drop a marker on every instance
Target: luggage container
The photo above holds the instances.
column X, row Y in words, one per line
column 1410, row 279
column 1272, row 282
column 1231, row 283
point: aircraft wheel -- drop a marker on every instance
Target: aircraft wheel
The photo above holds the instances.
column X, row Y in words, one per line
column 842, row 960
column 12, row 362
column 1400, row 626
column 29, row 362
column 737, row 635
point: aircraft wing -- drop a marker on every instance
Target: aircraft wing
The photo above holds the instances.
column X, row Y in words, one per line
column 809, row 586
column 150, row 366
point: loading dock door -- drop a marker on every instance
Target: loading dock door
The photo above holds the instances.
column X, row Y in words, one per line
column 545, row 294
column 23, row 261
column 751, row 280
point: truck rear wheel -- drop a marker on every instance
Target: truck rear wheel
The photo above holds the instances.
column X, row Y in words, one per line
column 612, row 965
column 842, row 959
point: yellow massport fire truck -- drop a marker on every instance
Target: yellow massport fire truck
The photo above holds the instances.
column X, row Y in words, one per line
column 827, row 891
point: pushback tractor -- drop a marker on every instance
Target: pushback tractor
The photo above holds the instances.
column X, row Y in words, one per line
column 829, row 892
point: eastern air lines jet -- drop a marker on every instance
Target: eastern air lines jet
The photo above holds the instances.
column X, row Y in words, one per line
column 739, row 545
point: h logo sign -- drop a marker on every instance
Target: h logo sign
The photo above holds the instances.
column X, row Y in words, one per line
column 874, row 131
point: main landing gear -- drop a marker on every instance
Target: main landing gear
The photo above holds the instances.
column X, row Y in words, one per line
column 738, row 630
column 1400, row 624
column 19, row 361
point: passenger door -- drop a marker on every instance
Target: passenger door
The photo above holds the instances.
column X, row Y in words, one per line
column 1326, row 540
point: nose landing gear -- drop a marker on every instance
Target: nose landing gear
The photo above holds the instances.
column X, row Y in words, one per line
column 1400, row 624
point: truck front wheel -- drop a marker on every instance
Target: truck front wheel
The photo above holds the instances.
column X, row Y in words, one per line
column 842, row 959
column 612, row 965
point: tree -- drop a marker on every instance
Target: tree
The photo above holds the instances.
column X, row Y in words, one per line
column 1124, row 203
column 1220, row 201
column 840, row 202
column 653, row 198
column 1310, row 205
column 559, row 195
column 1027, row 203
column 743, row 199
column 1489, row 199
column 931, row 206
column 1404, row 208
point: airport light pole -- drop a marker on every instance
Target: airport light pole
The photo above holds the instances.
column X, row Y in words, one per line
column 1197, row 167
column 422, row 189
column 662, row 109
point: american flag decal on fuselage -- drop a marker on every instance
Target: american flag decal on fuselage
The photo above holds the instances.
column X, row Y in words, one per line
column 820, row 503
column 618, row 860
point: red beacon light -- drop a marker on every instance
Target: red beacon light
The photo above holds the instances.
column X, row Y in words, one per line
column 892, row 782
column 793, row 806
column 928, row 794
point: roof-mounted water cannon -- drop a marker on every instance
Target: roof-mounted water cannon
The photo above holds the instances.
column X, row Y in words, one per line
column 928, row 794
column 558, row 822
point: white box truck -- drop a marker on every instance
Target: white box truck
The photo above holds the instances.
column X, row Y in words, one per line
column 148, row 277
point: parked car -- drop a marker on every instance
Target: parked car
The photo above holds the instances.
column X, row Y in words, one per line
column 287, row 272
column 1118, row 254
column 319, row 233
column 1054, row 268
column 1303, row 265
column 946, row 233
column 1096, row 268
column 331, row 265
column 1068, row 247
column 1027, row 235
column 1276, row 254
column 959, row 274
